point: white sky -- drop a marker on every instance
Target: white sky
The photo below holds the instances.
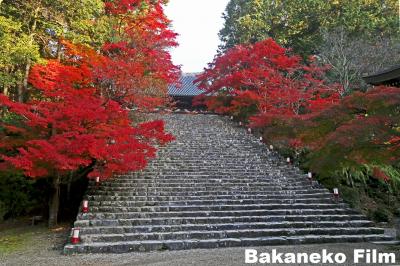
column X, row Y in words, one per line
column 197, row 22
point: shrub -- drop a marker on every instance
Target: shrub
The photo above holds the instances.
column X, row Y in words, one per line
column 16, row 194
column 381, row 215
column 349, row 143
column 3, row 210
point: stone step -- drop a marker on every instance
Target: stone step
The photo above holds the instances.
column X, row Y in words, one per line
column 248, row 233
column 235, row 166
column 204, row 181
column 282, row 193
column 216, row 220
column 199, row 180
column 207, row 208
column 209, row 205
column 174, row 171
column 255, row 171
column 207, row 182
column 206, row 186
column 214, row 186
column 132, row 215
column 222, row 226
column 193, row 200
column 173, row 201
column 255, row 189
column 160, row 178
column 143, row 246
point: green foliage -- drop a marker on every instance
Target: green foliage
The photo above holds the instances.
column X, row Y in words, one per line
column 82, row 21
column 381, row 215
column 3, row 210
column 15, row 49
column 16, row 194
column 354, row 145
column 298, row 23
column 31, row 30
column 351, row 195
column 351, row 140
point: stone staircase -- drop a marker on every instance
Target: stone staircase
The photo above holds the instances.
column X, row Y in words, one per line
column 215, row 186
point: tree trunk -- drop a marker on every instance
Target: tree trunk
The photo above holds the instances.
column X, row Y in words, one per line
column 24, row 88
column 69, row 187
column 54, row 202
column 5, row 90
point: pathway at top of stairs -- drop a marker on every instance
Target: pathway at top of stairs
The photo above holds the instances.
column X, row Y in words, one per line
column 214, row 186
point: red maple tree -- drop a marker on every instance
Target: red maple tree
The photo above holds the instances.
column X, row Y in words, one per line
column 138, row 67
column 265, row 78
column 76, row 121
column 67, row 128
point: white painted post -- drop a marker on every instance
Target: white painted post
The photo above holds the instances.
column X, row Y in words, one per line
column 75, row 236
column 336, row 193
column 85, row 206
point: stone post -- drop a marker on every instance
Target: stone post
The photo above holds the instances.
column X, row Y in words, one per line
column 397, row 226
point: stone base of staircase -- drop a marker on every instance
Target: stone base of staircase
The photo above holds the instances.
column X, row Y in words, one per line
column 216, row 186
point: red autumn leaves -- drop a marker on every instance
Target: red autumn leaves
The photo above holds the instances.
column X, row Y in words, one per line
column 264, row 75
column 75, row 119
column 298, row 111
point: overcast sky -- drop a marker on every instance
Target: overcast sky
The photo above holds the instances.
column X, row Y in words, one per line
column 197, row 23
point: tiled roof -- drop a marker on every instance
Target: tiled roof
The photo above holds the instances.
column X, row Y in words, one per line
column 389, row 76
column 187, row 88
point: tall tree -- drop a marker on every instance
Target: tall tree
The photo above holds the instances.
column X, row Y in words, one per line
column 44, row 23
column 352, row 57
column 72, row 130
column 15, row 48
column 297, row 23
column 139, row 66
column 75, row 121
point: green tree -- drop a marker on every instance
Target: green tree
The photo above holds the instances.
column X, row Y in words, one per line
column 39, row 25
column 15, row 49
column 352, row 57
column 298, row 23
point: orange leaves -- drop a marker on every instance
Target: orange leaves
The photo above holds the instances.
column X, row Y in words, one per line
column 55, row 77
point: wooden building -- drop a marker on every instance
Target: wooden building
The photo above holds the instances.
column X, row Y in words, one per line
column 185, row 94
column 388, row 77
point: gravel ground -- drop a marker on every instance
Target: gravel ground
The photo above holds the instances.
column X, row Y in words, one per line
column 45, row 249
